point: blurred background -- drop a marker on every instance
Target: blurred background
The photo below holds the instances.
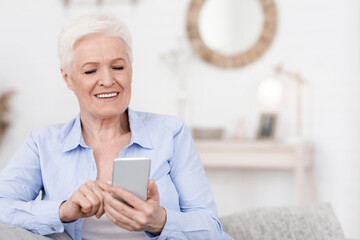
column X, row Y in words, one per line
column 270, row 89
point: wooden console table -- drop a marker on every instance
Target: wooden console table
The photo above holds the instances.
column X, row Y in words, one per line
column 296, row 157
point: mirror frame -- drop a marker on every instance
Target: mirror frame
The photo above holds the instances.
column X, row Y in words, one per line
column 236, row 60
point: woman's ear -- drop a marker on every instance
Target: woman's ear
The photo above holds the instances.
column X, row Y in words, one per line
column 66, row 78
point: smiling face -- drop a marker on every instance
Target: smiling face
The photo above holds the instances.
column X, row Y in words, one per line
column 100, row 77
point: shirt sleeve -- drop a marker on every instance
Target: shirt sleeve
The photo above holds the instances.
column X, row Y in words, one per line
column 197, row 218
column 20, row 184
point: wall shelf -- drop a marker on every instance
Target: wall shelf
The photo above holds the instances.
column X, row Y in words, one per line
column 270, row 155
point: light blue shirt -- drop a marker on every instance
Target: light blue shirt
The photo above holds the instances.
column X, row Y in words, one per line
column 57, row 161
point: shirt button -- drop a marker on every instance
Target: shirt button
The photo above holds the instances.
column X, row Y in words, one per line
column 52, row 229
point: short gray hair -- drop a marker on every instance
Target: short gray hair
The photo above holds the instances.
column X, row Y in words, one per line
column 86, row 25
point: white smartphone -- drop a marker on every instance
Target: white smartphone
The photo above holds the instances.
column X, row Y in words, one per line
column 132, row 174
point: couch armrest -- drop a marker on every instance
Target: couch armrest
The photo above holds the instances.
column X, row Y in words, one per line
column 12, row 232
column 284, row 223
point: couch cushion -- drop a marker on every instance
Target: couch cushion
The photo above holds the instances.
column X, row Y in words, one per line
column 11, row 232
column 284, row 223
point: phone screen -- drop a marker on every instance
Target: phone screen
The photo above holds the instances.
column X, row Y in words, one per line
column 132, row 174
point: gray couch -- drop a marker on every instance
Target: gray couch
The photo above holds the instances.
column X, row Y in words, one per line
column 8, row 232
column 316, row 222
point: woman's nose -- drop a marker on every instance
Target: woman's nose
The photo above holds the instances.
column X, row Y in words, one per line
column 106, row 79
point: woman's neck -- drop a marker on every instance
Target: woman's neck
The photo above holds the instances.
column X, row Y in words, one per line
column 101, row 130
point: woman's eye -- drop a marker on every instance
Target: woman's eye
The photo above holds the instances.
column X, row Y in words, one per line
column 118, row 68
column 90, row 72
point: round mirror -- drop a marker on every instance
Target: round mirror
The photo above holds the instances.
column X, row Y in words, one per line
column 231, row 33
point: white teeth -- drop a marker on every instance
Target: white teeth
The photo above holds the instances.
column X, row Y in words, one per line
column 108, row 95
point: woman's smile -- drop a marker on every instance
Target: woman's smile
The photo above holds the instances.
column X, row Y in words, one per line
column 107, row 96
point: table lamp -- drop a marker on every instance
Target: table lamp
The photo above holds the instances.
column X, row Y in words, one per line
column 270, row 92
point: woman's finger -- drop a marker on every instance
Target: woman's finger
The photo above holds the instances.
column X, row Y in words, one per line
column 119, row 206
column 128, row 197
column 153, row 191
column 120, row 218
column 82, row 201
column 99, row 194
column 86, row 201
column 150, row 217
column 89, row 191
column 96, row 188
column 104, row 186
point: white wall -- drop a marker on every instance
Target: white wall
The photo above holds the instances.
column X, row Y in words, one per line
column 321, row 39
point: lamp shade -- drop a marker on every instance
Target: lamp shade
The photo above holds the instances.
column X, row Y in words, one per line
column 270, row 92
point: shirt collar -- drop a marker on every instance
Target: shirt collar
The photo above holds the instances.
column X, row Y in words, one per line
column 73, row 135
column 139, row 133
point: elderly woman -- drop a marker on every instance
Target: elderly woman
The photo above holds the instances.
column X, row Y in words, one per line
column 72, row 163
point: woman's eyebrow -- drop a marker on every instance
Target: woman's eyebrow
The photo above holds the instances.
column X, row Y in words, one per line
column 89, row 63
column 96, row 63
column 118, row 59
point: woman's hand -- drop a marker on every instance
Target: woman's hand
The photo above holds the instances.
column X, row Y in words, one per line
column 141, row 215
column 87, row 201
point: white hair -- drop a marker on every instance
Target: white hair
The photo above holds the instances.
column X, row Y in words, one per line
column 91, row 24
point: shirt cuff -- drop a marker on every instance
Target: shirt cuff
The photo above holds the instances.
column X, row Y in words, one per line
column 48, row 216
column 173, row 226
